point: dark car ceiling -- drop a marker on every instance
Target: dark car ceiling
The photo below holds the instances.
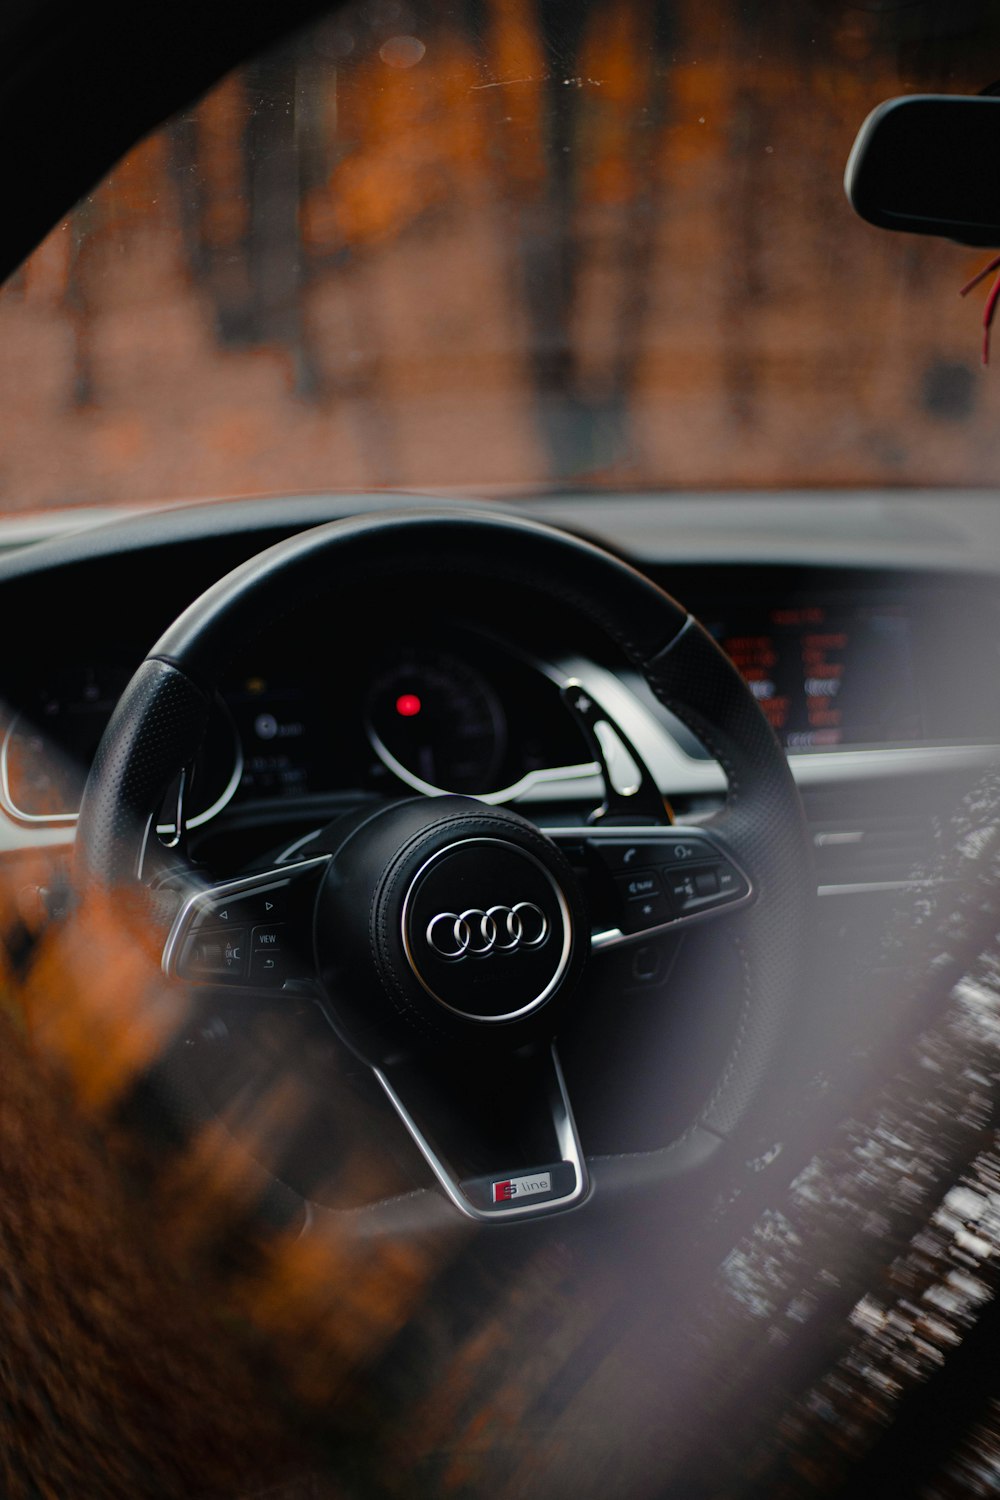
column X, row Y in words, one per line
column 80, row 83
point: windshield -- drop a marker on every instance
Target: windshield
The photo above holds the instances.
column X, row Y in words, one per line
column 504, row 246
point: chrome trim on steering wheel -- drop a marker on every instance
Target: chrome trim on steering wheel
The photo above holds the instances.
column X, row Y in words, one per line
column 567, row 1141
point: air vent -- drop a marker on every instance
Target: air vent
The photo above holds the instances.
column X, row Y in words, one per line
column 873, row 849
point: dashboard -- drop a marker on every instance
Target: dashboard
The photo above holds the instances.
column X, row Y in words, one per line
column 880, row 680
column 449, row 710
column 873, row 656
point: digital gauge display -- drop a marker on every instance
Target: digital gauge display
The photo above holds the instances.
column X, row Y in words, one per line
column 436, row 723
column 48, row 748
column 826, row 676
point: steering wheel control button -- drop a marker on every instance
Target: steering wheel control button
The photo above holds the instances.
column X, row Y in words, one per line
column 644, row 879
column 680, row 884
column 731, row 882
column 685, row 851
column 486, row 929
column 622, row 856
column 216, row 953
column 269, row 957
column 704, row 886
column 230, row 931
column 644, row 902
column 640, row 886
column 269, row 906
column 648, row 911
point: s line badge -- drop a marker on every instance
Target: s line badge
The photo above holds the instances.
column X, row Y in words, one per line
column 522, row 1187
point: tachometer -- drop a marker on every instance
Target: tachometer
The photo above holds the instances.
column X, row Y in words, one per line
column 48, row 747
column 436, row 722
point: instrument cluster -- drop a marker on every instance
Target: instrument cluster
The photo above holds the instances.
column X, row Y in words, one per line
column 455, row 712
column 333, row 702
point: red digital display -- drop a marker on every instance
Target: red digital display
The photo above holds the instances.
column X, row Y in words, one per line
column 828, row 676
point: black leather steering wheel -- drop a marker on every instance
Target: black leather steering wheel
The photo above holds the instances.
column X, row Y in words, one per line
column 442, row 931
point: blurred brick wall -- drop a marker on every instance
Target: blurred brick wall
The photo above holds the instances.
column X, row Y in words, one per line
column 412, row 251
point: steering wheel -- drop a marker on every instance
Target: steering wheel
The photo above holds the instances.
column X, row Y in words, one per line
column 446, row 939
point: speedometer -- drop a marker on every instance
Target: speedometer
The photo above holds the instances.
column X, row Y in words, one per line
column 436, row 723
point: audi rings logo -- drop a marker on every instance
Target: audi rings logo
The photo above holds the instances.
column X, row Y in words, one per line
column 476, row 934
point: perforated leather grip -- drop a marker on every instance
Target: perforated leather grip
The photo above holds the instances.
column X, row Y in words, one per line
column 155, row 729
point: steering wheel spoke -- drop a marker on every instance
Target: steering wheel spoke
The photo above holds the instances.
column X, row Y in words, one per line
column 642, row 882
column 498, row 1133
column 252, row 934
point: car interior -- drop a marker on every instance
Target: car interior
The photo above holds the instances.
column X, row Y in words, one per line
column 498, row 779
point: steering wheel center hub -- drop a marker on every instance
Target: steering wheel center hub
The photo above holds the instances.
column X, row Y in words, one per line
column 486, row 929
column 451, row 920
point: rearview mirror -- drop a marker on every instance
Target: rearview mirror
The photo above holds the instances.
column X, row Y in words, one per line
column 930, row 164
